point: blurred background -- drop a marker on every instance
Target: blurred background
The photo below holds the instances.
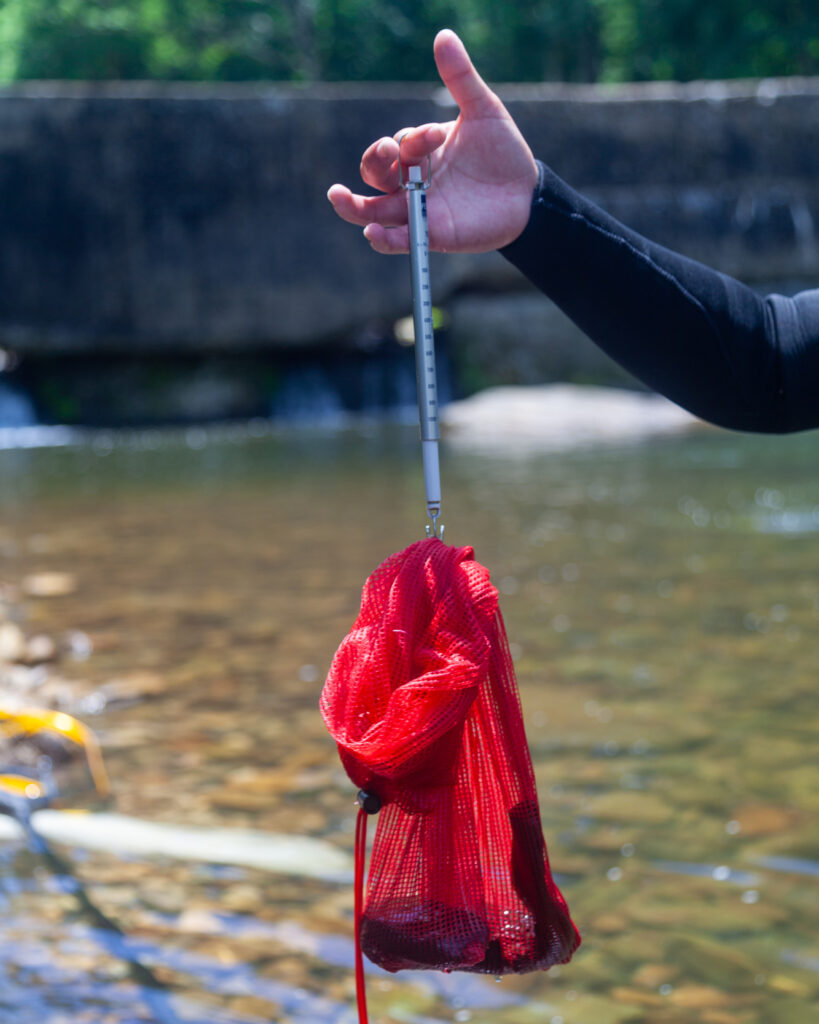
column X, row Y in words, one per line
column 208, row 439
column 167, row 252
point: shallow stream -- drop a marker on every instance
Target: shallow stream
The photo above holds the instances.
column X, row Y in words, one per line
column 662, row 601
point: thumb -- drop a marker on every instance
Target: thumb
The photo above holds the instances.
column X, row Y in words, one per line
column 468, row 89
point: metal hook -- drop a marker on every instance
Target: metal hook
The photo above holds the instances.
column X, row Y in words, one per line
column 407, row 183
column 437, row 529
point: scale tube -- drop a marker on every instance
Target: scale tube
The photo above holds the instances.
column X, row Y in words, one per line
column 425, row 375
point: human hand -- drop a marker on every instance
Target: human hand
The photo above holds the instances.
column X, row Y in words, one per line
column 483, row 172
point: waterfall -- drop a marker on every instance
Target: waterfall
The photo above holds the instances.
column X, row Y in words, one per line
column 19, row 427
column 15, row 409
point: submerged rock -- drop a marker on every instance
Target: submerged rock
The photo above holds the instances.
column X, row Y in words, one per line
column 133, row 686
column 40, row 648
column 12, row 642
column 753, row 820
column 713, row 963
column 629, row 808
column 558, row 416
column 289, row 855
column 49, row 584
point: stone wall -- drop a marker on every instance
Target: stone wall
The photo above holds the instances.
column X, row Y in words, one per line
column 167, row 217
column 168, row 220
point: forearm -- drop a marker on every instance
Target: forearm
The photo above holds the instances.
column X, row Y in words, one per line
column 703, row 339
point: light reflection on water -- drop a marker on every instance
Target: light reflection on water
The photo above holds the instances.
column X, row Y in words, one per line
column 662, row 609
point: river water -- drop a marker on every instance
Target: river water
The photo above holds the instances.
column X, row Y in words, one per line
column 662, row 602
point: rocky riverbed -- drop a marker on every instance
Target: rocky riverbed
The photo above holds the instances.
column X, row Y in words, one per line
column 184, row 596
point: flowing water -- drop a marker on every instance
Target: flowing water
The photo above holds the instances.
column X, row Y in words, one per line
column 662, row 601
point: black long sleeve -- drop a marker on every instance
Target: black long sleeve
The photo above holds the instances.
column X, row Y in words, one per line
column 701, row 338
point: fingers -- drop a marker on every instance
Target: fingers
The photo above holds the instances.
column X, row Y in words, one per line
column 384, row 218
column 474, row 97
column 421, row 142
column 379, row 165
column 379, row 168
column 389, row 241
column 362, row 210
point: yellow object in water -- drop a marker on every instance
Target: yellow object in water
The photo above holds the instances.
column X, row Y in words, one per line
column 29, row 721
column 21, row 785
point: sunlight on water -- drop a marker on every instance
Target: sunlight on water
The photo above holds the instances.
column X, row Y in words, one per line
column 188, row 589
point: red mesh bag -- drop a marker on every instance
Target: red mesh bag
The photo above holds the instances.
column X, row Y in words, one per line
column 422, row 701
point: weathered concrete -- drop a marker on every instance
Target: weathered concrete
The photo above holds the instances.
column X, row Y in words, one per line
column 520, row 337
column 724, row 171
column 168, row 218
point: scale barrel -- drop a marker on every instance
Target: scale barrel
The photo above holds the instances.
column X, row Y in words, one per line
column 424, row 337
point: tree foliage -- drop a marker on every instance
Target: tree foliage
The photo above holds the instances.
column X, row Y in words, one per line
column 379, row 40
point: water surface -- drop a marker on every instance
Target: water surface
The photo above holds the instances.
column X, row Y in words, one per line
column 662, row 601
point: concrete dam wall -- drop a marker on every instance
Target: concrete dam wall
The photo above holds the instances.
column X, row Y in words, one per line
column 166, row 219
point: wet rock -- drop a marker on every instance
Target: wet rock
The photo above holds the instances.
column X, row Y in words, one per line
column 255, row 1007
column 295, row 855
column 39, row 649
column 166, row 897
column 636, row 997
column 727, row 1017
column 49, row 584
column 790, row 986
column 129, row 736
column 700, row 997
column 632, row 808
column 610, row 924
column 231, row 745
column 199, row 921
column 581, row 1007
column 56, row 691
column 259, row 782
column 654, row 975
column 411, row 1004
column 715, row 963
column 690, row 909
column 12, row 642
column 793, row 1011
column 231, row 798
column 275, row 782
column 133, row 686
column 560, row 416
column 243, row 898
column 764, row 819
column 575, row 864
column 606, row 840
column 100, row 869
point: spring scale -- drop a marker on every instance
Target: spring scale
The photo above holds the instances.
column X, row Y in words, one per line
column 415, row 184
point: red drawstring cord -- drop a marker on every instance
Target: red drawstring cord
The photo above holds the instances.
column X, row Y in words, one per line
column 358, row 885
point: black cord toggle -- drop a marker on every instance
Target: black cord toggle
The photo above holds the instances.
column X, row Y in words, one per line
column 368, row 802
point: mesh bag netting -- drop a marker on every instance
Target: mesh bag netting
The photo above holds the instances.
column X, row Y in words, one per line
column 422, row 701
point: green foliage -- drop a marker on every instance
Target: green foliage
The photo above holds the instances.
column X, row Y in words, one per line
column 71, row 39
column 379, row 40
column 688, row 39
column 171, row 39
